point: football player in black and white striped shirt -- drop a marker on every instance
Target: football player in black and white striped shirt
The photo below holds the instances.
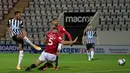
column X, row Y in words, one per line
column 89, row 39
column 18, row 34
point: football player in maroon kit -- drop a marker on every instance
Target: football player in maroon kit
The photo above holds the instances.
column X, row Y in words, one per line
column 52, row 39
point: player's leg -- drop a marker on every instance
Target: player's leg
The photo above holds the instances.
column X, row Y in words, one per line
column 20, row 43
column 50, row 58
column 92, row 51
column 46, row 66
column 56, row 61
column 88, row 51
column 20, row 56
column 89, row 55
column 23, row 36
column 49, row 65
column 38, row 62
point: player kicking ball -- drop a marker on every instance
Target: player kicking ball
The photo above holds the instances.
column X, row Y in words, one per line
column 52, row 40
column 18, row 34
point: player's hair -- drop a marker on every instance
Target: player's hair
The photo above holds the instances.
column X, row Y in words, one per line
column 16, row 12
column 54, row 19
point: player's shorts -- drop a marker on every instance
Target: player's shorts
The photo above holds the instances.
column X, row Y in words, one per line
column 47, row 57
column 90, row 45
column 18, row 40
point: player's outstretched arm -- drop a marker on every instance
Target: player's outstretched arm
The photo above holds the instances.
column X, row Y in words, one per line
column 83, row 39
column 68, row 35
column 24, row 32
column 69, row 42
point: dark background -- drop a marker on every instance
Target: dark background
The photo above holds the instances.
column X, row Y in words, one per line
column 76, row 29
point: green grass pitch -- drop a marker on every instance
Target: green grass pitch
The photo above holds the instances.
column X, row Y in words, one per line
column 68, row 63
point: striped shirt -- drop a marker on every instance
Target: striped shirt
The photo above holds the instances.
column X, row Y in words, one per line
column 15, row 26
column 90, row 36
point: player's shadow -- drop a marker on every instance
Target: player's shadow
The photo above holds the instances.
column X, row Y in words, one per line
column 65, row 68
column 97, row 59
column 18, row 71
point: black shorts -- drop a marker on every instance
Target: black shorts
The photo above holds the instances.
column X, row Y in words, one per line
column 90, row 45
column 18, row 40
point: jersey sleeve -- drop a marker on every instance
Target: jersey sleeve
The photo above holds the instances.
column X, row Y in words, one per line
column 95, row 33
column 65, row 32
column 21, row 24
column 84, row 33
column 59, row 39
column 9, row 22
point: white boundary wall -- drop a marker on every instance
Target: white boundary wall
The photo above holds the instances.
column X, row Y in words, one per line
column 101, row 49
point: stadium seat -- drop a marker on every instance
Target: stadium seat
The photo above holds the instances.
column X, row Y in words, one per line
column 115, row 21
column 29, row 30
column 30, row 35
column 119, row 14
column 93, row 9
column 76, row 9
column 26, row 11
column 103, row 21
column 2, row 41
column 128, row 8
column 127, row 21
column 1, row 14
column 121, row 21
column 10, row 5
column 87, row 9
column 39, row 13
column 113, row 15
column 109, row 21
column 36, row 41
column 32, row 16
column 13, row 42
column 123, row 9
column 125, row 15
column 28, row 23
column 8, row 41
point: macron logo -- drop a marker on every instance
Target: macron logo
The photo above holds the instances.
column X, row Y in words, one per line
column 76, row 19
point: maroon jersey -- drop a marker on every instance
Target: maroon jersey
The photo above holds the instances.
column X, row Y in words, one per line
column 63, row 31
column 52, row 39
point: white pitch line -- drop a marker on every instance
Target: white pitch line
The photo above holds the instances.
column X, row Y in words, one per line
column 103, row 71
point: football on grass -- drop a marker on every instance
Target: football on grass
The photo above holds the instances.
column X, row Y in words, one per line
column 121, row 62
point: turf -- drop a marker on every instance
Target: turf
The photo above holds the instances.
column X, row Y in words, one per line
column 68, row 63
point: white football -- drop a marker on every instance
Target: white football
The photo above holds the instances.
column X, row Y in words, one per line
column 121, row 62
